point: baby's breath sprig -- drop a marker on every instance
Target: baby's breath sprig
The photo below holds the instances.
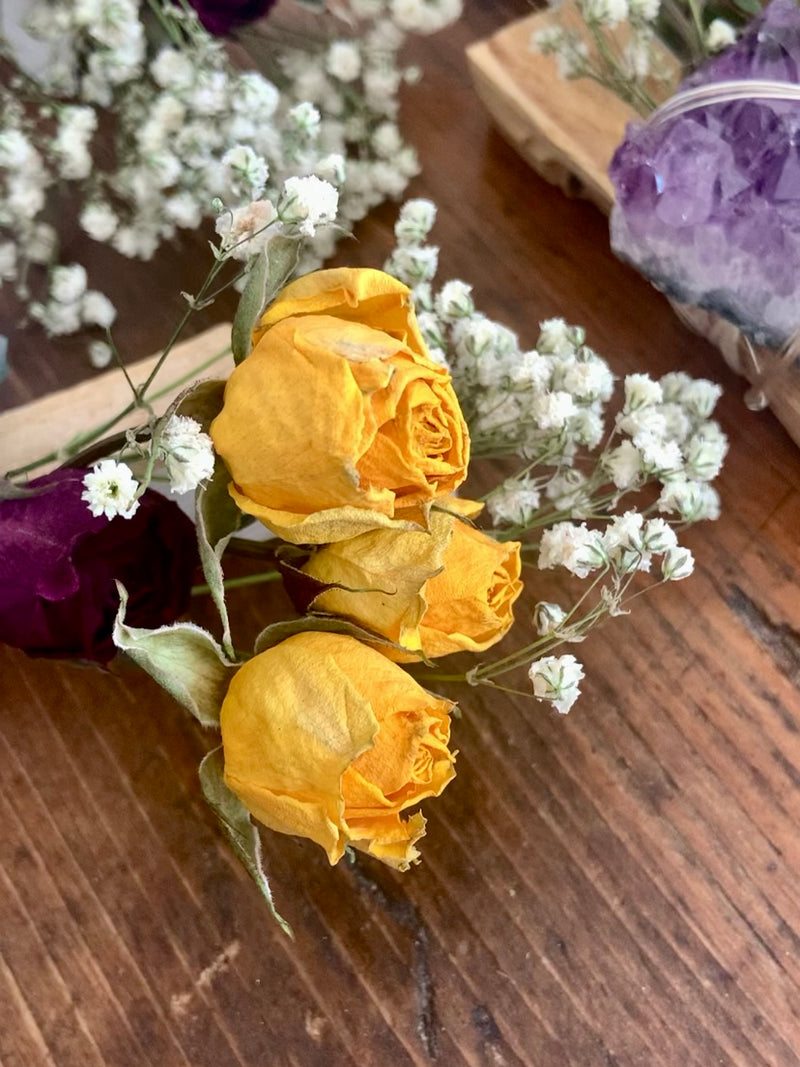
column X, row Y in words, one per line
column 599, row 496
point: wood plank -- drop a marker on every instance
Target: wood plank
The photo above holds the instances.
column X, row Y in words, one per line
column 34, row 429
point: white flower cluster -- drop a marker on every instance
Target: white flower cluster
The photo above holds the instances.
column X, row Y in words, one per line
column 557, row 678
column 192, row 130
column 187, row 453
column 628, row 543
column 546, row 406
column 111, row 488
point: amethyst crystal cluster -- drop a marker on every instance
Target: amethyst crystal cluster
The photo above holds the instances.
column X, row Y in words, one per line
column 708, row 203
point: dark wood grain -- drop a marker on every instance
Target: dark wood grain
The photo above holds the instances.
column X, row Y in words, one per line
column 617, row 888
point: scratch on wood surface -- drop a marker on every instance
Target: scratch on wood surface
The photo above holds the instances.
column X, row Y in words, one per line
column 491, row 1038
column 404, row 912
column 314, row 1025
column 779, row 639
column 181, row 1001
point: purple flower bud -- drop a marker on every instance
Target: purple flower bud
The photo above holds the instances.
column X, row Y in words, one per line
column 58, row 565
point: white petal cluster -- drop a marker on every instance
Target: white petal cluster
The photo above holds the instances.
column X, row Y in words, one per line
column 557, row 679
column 514, row 502
column 575, row 547
column 191, row 130
column 245, row 230
column 110, row 489
column 307, row 203
column 187, row 453
column 719, row 35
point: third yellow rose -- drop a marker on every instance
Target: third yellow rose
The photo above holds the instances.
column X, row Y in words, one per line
column 339, row 418
column 326, row 739
column 450, row 589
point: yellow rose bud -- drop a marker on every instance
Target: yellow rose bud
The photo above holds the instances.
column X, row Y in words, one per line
column 338, row 418
column 327, row 739
column 451, row 589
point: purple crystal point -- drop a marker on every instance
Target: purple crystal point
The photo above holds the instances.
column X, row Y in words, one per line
column 708, row 203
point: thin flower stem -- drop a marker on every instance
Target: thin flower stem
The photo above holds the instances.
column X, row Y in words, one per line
column 237, row 583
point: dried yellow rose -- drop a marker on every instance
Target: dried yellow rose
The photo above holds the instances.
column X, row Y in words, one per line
column 451, row 589
column 338, row 418
column 327, row 739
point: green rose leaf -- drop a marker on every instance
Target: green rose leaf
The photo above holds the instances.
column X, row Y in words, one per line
column 217, row 519
column 270, row 272
column 184, row 659
column 251, row 304
column 238, row 826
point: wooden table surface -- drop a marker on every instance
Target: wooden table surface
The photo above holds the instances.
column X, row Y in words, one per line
column 617, row 887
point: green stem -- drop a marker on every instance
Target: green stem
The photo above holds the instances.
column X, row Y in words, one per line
column 237, row 583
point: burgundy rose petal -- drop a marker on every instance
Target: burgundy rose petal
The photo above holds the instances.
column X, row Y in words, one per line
column 58, row 566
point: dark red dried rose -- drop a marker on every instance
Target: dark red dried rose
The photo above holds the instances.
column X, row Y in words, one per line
column 58, row 565
column 222, row 16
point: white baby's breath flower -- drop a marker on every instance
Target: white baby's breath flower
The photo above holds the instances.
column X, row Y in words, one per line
column 720, row 34
column 557, row 679
column 97, row 309
column 624, row 531
column 548, row 618
column 454, row 300
column 658, row 536
column 678, row 563
column 557, row 338
column 110, row 489
column 306, row 118
column 307, row 203
column 692, row 501
column 514, row 502
column 173, row 69
column 187, row 453
column 574, row 547
column 100, row 354
column 646, row 10
column 413, row 265
column 343, row 60
column 551, row 411
column 244, row 230
column 415, row 221
column 249, row 171
column 604, row 12
column 68, row 283
column 700, row 396
column 8, row 261
column 705, row 451
column 184, row 210
column 99, row 220
column 641, row 392
column 331, row 168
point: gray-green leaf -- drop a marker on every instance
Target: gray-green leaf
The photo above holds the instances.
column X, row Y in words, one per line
column 251, row 304
column 238, row 826
column 217, row 519
column 184, row 659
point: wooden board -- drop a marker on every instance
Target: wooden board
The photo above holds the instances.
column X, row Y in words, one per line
column 34, row 429
column 566, row 130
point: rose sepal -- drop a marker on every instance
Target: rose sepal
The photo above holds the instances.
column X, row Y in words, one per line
column 183, row 658
column 268, row 274
column 321, row 623
column 239, row 828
